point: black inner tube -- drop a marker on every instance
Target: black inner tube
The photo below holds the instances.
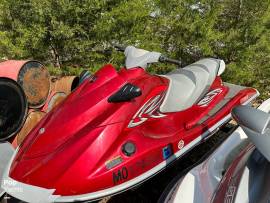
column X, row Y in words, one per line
column 13, row 108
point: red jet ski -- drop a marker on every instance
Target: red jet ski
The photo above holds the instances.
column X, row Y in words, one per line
column 118, row 129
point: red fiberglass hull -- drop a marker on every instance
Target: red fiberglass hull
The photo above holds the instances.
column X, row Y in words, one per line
column 76, row 151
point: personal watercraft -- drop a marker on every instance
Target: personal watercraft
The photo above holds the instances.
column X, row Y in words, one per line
column 118, row 129
column 204, row 181
column 248, row 177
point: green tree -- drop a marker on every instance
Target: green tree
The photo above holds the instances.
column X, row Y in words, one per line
column 53, row 31
column 245, row 38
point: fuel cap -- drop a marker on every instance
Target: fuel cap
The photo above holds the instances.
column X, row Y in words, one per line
column 128, row 148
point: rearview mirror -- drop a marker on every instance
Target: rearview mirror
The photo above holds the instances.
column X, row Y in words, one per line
column 251, row 118
column 255, row 124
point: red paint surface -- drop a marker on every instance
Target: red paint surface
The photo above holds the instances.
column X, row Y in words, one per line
column 11, row 68
column 86, row 131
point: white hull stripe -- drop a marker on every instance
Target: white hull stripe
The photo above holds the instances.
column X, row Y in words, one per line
column 124, row 186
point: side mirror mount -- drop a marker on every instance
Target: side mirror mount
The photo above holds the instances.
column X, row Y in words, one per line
column 255, row 124
column 254, row 119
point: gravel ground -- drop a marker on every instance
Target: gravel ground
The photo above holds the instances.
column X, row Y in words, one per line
column 151, row 190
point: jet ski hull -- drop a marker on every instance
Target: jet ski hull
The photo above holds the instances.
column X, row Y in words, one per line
column 131, row 173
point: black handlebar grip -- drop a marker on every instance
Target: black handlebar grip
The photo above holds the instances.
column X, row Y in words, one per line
column 168, row 60
column 119, row 47
column 174, row 61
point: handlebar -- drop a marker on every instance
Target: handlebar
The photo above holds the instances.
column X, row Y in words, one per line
column 162, row 58
column 119, row 47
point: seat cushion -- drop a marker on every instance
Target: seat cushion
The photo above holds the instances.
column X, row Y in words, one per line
column 188, row 85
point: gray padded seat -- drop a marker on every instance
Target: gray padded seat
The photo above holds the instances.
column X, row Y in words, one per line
column 188, row 85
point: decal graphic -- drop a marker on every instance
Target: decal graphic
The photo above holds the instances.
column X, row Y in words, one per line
column 167, row 151
column 143, row 164
column 120, row 175
column 114, row 162
column 181, row 144
column 230, row 193
column 209, row 97
column 148, row 110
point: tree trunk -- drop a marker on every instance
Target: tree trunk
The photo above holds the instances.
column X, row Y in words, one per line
column 56, row 58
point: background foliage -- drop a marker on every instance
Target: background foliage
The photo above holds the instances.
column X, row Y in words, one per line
column 74, row 34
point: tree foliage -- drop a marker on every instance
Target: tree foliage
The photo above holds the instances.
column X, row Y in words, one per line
column 76, row 33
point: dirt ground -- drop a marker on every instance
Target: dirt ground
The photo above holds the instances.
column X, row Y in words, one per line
column 150, row 191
